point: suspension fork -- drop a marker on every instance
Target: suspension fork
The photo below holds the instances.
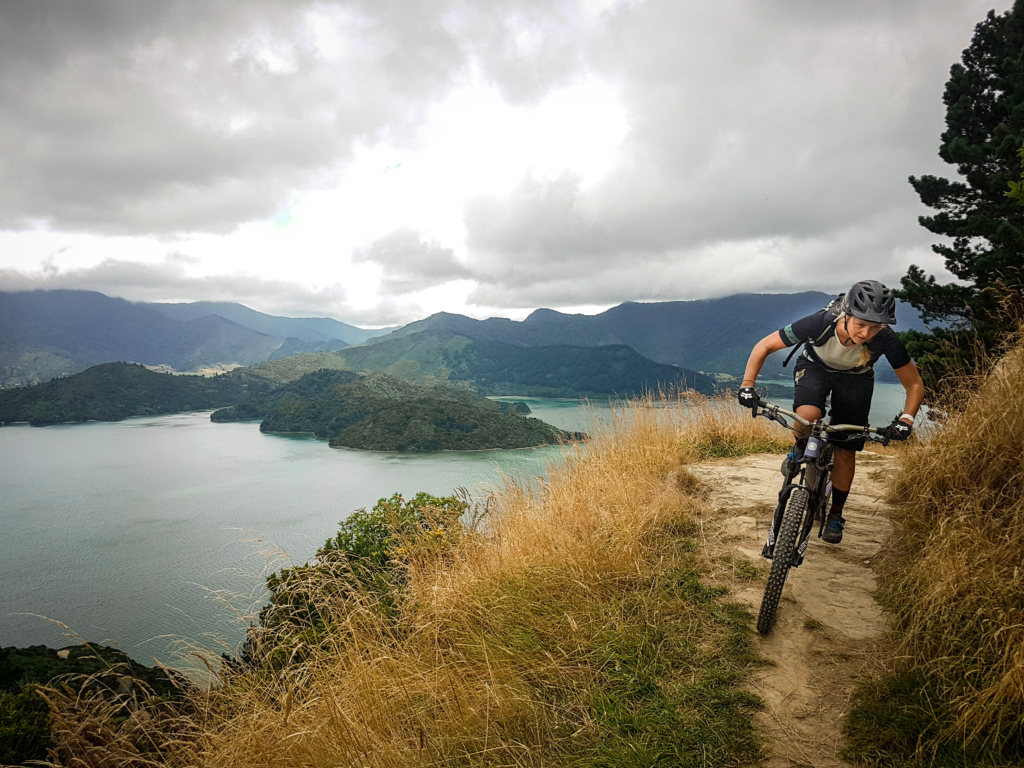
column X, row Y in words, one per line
column 817, row 475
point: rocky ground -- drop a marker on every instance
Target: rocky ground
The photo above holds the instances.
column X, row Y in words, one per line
column 829, row 625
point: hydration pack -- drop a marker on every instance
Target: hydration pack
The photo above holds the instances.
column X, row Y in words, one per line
column 833, row 309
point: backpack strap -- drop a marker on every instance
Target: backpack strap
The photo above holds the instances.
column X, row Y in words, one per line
column 790, row 355
column 835, row 309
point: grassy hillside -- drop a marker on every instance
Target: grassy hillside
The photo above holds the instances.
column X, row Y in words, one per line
column 295, row 367
column 116, row 391
column 953, row 694
column 378, row 412
column 571, row 624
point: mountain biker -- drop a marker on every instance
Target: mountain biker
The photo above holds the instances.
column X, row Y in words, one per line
column 841, row 345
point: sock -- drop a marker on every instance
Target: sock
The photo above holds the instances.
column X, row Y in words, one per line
column 799, row 445
column 838, row 502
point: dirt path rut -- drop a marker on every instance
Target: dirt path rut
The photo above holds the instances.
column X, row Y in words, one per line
column 829, row 623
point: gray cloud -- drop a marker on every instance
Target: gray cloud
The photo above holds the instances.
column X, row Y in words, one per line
column 769, row 144
column 410, row 262
column 789, row 125
column 196, row 115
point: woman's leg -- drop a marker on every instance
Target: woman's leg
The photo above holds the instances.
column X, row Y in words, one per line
column 810, row 391
column 844, row 464
column 851, row 403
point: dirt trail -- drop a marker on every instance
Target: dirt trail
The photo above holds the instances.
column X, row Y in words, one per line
column 828, row 621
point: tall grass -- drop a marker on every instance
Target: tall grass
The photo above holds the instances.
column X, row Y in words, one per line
column 574, row 628
column 954, row 581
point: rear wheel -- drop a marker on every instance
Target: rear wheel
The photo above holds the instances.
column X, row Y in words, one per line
column 782, row 558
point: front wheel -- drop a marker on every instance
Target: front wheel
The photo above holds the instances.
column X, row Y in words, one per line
column 782, row 558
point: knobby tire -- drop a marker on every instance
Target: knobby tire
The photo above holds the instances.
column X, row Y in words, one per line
column 782, row 558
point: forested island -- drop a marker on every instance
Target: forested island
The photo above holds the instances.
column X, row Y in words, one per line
column 117, row 391
column 382, row 413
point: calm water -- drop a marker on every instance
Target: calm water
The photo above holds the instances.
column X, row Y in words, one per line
column 155, row 532
column 138, row 531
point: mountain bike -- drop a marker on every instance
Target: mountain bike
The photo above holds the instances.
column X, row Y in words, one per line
column 803, row 500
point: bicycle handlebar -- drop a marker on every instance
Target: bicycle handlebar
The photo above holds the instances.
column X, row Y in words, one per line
column 775, row 413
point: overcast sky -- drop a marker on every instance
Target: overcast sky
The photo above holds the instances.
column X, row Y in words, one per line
column 380, row 160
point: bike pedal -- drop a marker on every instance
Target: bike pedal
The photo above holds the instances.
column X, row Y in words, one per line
column 767, row 551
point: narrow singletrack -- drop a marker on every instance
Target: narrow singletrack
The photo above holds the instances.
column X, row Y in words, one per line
column 829, row 625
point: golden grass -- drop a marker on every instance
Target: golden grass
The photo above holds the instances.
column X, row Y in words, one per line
column 955, row 578
column 530, row 642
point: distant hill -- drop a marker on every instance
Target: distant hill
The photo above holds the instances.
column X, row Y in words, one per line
column 713, row 335
column 116, row 391
column 495, row 368
column 47, row 333
column 381, row 413
column 44, row 334
column 308, row 329
column 288, row 369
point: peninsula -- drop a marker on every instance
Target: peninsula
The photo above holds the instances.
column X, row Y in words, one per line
column 379, row 412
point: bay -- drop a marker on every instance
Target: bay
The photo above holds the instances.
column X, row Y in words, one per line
column 156, row 533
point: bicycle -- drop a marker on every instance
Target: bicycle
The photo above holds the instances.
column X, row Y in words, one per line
column 803, row 501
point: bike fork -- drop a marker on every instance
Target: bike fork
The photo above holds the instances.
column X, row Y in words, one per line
column 768, row 551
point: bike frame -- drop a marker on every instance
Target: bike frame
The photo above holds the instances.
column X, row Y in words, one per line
column 814, row 474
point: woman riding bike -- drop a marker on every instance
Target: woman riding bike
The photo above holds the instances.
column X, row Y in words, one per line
column 841, row 345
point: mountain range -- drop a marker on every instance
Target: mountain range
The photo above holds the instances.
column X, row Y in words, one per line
column 709, row 335
column 44, row 334
column 307, row 329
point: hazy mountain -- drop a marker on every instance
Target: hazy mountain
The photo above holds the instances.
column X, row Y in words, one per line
column 48, row 333
column 714, row 335
column 309, row 329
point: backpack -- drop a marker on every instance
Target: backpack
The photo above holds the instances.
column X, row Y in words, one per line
column 834, row 309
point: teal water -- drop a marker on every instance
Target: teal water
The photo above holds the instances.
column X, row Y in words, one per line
column 156, row 533
column 886, row 403
column 137, row 531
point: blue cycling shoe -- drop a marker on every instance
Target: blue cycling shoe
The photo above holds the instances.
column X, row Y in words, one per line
column 833, row 533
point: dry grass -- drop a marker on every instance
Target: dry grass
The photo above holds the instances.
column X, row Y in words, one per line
column 574, row 628
column 955, row 577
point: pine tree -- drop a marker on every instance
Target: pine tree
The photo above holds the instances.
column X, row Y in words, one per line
column 984, row 100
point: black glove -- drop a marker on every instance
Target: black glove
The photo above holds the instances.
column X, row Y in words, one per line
column 898, row 430
column 747, row 397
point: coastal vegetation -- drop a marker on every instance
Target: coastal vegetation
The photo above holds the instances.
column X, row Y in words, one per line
column 381, row 413
column 116, row 391
column 953, row 693
column 574, row 621
column 94, row 671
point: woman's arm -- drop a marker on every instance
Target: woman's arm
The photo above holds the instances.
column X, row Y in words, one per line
column 771, row 343
column 911, row 381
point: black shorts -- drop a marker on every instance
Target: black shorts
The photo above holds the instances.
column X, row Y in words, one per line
column 851, row 396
